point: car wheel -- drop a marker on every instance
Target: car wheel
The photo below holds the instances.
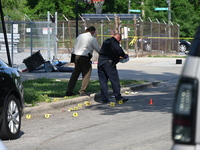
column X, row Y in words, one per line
column 11, row 119
column 182, row 48
column 147, row 47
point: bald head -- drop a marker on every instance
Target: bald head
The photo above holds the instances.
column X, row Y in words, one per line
column 117, row 36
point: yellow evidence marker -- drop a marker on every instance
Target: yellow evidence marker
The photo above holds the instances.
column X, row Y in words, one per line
column 75, row 114
column 28, row 116
column 126, row 92
column 112, row 104
column 55, row 99
column 120, row 102
column 80, row 105
column 47, row 115
column 47, row 100
column 75, row 108
column 86, row 103
column 70, row 109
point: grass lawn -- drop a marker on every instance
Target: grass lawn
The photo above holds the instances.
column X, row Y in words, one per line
column 48, row 90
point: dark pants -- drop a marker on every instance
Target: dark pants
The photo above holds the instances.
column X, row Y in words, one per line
column 105, row 72
column 82, row 65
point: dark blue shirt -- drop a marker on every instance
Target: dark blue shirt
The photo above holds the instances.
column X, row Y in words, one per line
column 110, row 50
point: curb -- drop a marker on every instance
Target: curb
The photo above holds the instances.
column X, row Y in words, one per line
column 97, row 96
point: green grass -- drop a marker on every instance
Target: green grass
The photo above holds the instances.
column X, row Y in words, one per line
column 48, row 90
column 166, row 56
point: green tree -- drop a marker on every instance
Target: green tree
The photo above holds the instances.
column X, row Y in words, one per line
column 115, row 6
column 183, row 13
column 66, row 7
column 149, row 8
column 15, row 9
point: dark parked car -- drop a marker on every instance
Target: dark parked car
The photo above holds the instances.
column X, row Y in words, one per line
column 160, row 42
column 184, row 45
column 146, row 45
column 11, row 101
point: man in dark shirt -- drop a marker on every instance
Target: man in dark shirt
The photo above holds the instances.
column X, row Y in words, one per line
column 109, row 56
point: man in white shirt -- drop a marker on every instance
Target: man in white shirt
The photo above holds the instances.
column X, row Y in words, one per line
column 83, row 48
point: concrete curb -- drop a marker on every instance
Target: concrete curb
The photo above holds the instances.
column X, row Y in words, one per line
column 96, row 96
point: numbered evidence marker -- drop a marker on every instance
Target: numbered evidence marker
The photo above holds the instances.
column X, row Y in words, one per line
column 120, row 102
column 28, row 116
column 80, row 105
column 70, row 109
column 75, row 114
column 55, row 99
column 75, row 108
column 86, row 103
column 47, row 115
column 112, row 104
column 126, row 92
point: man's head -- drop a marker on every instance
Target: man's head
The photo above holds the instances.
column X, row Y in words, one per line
column 91, row 29
column 118, row 37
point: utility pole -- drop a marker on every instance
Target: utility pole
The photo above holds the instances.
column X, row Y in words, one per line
column 169, row 16
column 169, row 21
column 169, row 11
column 129, row 6
column 142, row 4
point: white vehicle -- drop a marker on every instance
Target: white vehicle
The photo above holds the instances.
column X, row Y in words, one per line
column 186, row 110
column 2, row 146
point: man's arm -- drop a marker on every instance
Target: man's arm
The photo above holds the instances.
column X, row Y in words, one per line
column 95, row 45
column 119, row 49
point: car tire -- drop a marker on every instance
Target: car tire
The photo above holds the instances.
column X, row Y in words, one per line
column 147, row 47
column 182, row 48
column 11, row 123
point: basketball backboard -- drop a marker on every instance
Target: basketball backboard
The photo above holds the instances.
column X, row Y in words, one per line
column 97, row 4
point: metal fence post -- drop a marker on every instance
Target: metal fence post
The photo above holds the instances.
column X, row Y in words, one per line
column 135, row 34
column 55, row 36
column 48, row 41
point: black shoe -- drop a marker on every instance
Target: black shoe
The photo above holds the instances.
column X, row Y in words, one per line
column 105, row 102
column 69, row 94
column 122, row 100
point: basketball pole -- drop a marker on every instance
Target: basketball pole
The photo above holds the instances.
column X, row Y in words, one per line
column 5, row 35
column 76, row 18
column 86, row 1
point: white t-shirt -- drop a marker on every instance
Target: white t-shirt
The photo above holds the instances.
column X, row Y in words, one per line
column 85, row 43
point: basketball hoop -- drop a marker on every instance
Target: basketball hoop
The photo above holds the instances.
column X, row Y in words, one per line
column 98, row 5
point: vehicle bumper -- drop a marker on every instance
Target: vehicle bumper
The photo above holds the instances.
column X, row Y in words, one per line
column 184, row 147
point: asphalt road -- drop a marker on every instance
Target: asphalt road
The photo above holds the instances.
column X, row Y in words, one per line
column 135, row 125
column 142, row 68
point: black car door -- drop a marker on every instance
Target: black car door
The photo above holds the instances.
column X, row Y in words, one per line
column 3, row 84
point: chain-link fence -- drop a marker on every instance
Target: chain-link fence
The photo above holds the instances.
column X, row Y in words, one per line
column 55, row 40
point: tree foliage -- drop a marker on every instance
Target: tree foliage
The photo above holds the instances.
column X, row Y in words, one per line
column 14, row 9
column 183, row 12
